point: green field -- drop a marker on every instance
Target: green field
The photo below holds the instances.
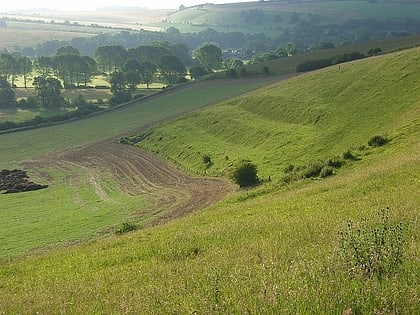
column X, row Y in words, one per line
column 268, row 250
column 29, row 145
column 288, row 64
column 299, row 120
column 230, row 17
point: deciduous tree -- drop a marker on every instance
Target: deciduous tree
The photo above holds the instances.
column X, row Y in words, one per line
column 209, row 56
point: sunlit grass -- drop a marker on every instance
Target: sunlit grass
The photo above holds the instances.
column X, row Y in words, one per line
column 268, row 250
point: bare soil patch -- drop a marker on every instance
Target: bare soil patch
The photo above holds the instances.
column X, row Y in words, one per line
column 139, row 172
column 15, row 181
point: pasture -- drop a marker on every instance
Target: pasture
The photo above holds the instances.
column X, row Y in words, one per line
column 298, row 121
column 72, row 185
column 273, row 249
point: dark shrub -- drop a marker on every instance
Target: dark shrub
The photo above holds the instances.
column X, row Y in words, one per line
column 126, row 227
column 313, row 169
column 245, row 174
column 377, row 141
column 207, row 159
column 335, row 162
column 289, row 168
column 349, row 156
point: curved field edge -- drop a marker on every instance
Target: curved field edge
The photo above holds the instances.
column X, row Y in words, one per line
column 23, row 145
column 95, row 186
column 271, row 254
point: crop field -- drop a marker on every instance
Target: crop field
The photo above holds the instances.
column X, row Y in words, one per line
column 272, row 249
column 10, row 38
column 89, row 181
column 21, row 31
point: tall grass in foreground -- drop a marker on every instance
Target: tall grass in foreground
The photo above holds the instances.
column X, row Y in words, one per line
column 271, row 254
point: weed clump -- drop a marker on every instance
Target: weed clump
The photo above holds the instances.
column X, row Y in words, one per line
column 377, row 141
column 372, row 249
column 207, row 159
column 326, row 171
column 126, row 227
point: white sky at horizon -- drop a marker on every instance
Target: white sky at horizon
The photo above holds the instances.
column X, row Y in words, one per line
column 77, row 5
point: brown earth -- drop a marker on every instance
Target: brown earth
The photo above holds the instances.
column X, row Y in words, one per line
column 16, row 181
column 138, row 172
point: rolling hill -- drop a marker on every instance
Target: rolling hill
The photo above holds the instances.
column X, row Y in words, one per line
column 273, row 17
column 273, row 249
column 309, row 117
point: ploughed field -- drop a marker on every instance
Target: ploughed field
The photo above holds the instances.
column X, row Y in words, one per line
column 138, row 173
column 95, row 184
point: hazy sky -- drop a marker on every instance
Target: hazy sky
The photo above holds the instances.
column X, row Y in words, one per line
column 78, row 5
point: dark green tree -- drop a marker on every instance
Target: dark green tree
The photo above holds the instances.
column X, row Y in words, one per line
column 147, row 71
column 44, row 66
column 7, row 95
column 9, row 67
column 132, row 73
column 120, row 88
column 49, row 92
column 25, row 68
column 209, row 56
column 111, row 58
column 233, row 63
column 87, row 69
column 67, row 50
column 151, row 53
column 197, row 72
column 171, row 68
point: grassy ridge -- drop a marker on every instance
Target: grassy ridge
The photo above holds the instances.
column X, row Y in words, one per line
column 277, row 15
column 298, row 120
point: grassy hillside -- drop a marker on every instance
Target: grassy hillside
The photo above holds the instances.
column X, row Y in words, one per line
column 313, row 116
column 273, row 250
column 288, row 65
column 278, row 14
column 84, row 199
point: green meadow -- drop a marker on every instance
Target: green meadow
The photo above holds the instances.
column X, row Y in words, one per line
column 71, row 211
column 299, row 120
column 21, row 146
column 273, row 249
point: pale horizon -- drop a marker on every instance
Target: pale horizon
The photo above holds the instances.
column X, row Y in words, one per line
column 91, row 5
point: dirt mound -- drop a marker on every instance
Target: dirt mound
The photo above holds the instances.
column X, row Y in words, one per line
column 15, row 181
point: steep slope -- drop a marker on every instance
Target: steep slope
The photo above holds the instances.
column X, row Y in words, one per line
column 313, row 116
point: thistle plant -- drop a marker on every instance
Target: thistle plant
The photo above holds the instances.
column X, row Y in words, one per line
column 372, row 249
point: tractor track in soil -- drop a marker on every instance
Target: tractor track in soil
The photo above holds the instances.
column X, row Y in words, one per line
column 138, row 172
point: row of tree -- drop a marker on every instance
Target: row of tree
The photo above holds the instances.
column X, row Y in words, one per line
column 124, row 68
